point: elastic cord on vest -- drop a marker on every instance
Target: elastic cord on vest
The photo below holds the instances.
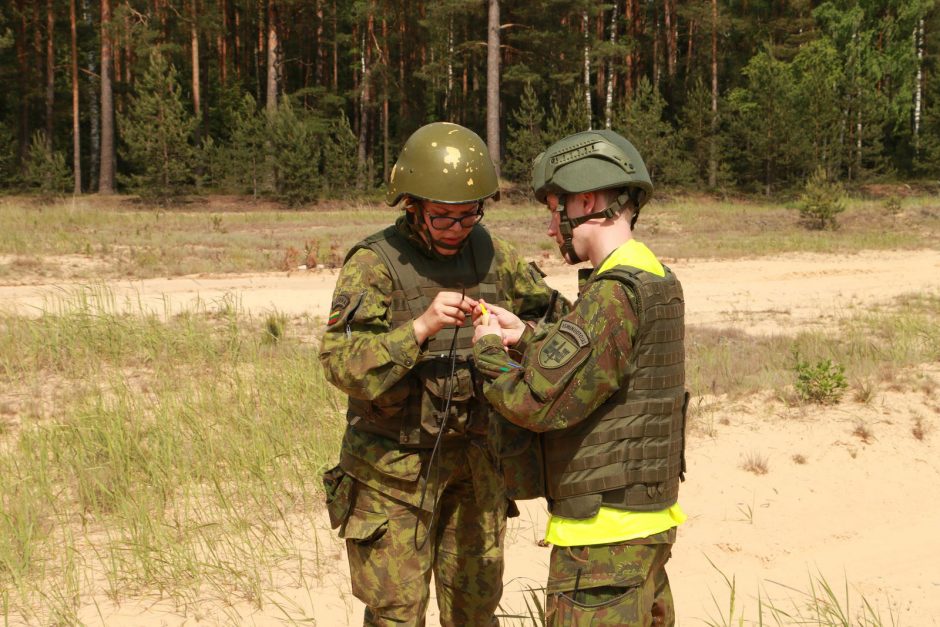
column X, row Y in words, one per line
column 437, row 442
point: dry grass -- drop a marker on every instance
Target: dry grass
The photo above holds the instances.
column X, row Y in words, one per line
column 863, row 432
column 799, row 459
column 756, row 463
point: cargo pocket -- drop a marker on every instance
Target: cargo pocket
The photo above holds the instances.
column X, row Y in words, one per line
column 339, row 488
column 443, row 390
column 616, row 606
column 365, row 527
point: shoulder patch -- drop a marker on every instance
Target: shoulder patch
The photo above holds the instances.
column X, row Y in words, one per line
column 558, row 350
column 576, row 332
column 340, row 303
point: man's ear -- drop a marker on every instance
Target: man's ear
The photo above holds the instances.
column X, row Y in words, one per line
column 589, row 199
column 411, row 205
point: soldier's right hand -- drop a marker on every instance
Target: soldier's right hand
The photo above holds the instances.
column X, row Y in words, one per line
column 446, row 310
column 510, row 324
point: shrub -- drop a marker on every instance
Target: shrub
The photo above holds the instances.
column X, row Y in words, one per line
column 46, row 171
column 822, row 382
column 821, row 202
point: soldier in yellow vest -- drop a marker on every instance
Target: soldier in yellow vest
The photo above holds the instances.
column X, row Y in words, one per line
column 604, row 386
column 418, row 490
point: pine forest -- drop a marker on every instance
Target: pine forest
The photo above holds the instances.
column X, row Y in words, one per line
column 302, row 100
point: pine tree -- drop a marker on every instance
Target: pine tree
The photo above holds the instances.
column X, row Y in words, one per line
column 46, row 171
column 239, row 164
column 295, row 144
column 763, row 123
column 524, row 141
column 566, row 117
column 641, row 121
column 158, row 132
column 340, row 168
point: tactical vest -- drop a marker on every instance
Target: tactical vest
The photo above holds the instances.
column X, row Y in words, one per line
column 412, row 411
column 629, row 453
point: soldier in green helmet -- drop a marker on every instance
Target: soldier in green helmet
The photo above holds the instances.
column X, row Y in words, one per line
column 419, row 490
column 604, row 387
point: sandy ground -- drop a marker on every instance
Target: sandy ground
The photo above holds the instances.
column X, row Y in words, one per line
column 858, row 509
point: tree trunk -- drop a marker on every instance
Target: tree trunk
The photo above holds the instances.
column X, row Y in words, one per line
column 492, row 83
column 335, row 50
column 272, row 69
column 24, row 78
column 194, row 53
column 223, row 43
column 672, row 37
column 319, row 69
column 450, row 70
column 586, row 26
column 94, row 117
column 657, row 63
column 385, row 112
column 630, row 19
column 713, row 140
column 50, row 73
column 106, row 168
column 238, row 60
column 365, row 98
column 919, row 82
column 609, row 101
column 76, row 135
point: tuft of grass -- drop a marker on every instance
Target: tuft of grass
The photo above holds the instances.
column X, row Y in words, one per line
column 798, row 459
column 755, row 462
column 919, row 429
column 863, row 391
column 274, row 327
column 863, row 432
column 818, row 604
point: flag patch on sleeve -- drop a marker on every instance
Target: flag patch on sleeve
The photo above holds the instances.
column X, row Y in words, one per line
column 340, row 303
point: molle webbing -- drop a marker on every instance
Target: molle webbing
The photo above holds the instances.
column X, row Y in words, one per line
column 416, row 280
column 629, row 452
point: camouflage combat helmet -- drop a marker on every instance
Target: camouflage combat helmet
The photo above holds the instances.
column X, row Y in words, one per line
column 587, row 162
column 443, row 162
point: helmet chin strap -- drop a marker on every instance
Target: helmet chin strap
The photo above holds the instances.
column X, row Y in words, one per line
column 567, row 225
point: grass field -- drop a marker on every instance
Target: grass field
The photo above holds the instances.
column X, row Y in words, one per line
column 115, row 237
column 169, row 454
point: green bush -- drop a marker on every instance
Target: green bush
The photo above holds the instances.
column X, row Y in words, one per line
column 822, row 382
column 46, row 171
column 821, row 202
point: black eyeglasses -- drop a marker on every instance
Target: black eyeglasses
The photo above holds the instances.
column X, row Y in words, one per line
column 442, row 223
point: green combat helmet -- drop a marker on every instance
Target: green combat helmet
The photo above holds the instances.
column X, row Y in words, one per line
column 587, row 162
column 443, row 162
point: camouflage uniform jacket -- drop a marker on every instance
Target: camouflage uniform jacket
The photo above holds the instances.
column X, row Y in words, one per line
column 364, row 354
column 582, row 379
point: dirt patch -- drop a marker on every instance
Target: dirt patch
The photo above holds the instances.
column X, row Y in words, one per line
column 829, row 503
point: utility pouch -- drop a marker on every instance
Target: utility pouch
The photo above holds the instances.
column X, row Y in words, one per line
column 520, row 458
column 438, row 387
column 339, row 495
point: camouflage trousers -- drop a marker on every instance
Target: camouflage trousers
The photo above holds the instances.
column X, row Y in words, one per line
column 614, row 584
column 391, row 565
